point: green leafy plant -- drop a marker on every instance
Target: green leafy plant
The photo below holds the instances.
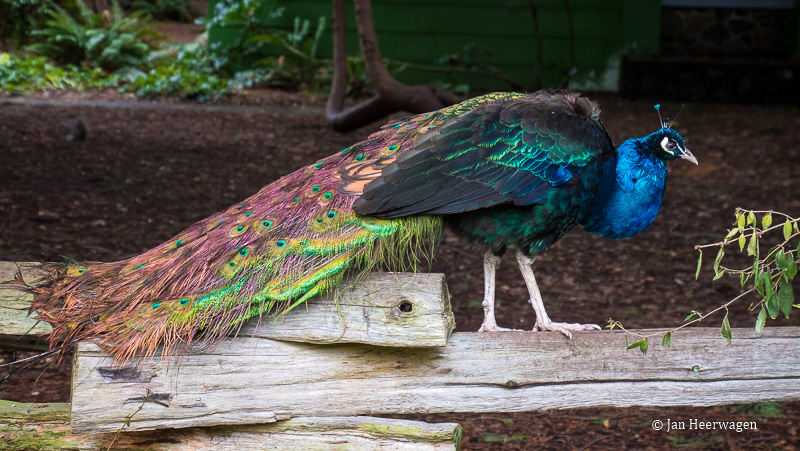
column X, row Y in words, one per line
column 293, row 62
column 188, row 74
column 110, row 41
column 761, row 409
column 772, row 273
column 298, row 64
column 252, row 18
column 18, row 17
column 20, row 75
column 770, row 276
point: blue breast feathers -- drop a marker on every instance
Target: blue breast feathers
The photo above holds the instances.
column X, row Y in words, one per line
column 630, row 194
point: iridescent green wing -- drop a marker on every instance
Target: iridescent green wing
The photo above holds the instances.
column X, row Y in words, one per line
column 505, row 151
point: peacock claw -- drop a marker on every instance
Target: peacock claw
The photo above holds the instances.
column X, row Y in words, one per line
column 495, row 328
column 564, row 328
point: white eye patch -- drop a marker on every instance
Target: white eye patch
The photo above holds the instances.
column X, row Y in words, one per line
column 664, row 143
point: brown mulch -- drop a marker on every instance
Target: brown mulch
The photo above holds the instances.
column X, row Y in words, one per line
column 142, row 175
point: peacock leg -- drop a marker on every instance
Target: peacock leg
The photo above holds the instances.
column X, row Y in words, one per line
column 543, row 321
column 490, row 263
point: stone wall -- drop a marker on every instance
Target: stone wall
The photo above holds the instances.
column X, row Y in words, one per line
column 725, row 32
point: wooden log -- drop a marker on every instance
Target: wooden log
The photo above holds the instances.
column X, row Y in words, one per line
column 383, row 309
column 46, row 427
column 18, row 330
column 256, row 380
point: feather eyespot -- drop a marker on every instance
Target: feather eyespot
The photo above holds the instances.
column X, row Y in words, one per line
column 184, row 301
column 74, row 272
column 238, row 230
column 313, row 191
column 360, row 157
column 326, row 221
column 176, row 245
column 156, row 305
column 232, row 266
column 267, row 224
column 319, row 165
column 345, row 150
column 280, row 243
column 326, row 198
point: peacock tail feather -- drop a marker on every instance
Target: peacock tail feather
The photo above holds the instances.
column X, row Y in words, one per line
column 294, row 239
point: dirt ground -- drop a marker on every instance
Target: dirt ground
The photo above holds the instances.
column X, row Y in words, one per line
column 143, row 174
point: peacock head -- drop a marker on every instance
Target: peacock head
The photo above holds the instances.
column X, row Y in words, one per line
column 668, row 144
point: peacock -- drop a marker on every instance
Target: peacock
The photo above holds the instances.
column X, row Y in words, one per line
column 503, row 170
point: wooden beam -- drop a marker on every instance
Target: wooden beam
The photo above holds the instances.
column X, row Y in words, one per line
column 18, row 330
column 382, row 309
column 254, row 380
column 46, row 427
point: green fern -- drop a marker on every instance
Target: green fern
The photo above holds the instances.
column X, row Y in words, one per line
column 110, row 41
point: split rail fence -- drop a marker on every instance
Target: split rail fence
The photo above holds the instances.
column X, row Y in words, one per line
column 312, row 378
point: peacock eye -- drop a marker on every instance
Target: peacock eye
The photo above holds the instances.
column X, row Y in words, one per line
column 668, row 145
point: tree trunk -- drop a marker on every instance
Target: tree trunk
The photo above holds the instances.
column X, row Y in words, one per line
column 392, row 95
column 339, row 118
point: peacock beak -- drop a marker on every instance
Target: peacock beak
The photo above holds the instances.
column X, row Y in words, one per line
column 686, row 155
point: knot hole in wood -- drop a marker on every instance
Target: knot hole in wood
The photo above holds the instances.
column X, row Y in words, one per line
column 405, row 306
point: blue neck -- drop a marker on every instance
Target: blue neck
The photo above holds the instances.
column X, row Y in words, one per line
column 631, row 192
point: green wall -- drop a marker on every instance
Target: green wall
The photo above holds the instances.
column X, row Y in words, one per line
column 422, row 31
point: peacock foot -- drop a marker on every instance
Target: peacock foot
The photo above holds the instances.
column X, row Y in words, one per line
column 495, row 328
column 564, row 328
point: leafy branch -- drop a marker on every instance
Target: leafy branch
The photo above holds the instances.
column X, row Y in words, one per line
column 770, row 275
column 128, row 419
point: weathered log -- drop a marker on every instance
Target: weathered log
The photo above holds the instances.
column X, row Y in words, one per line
column 498, row 372
column 46, row 427
column 383, row 309
column 18, row 330
column 514, row 371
